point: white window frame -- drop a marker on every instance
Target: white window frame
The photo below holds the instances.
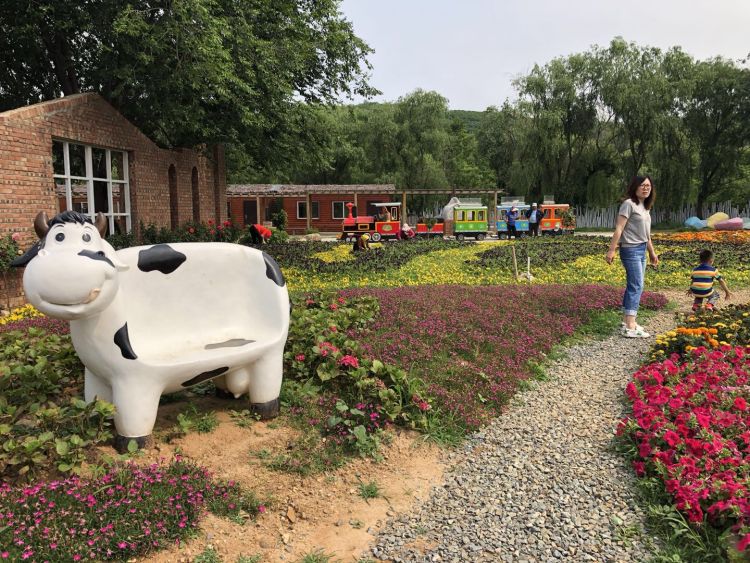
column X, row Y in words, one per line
column 343, row 209
column 313, row 204
column 124, row 184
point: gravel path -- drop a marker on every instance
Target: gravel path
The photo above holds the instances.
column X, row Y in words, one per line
column 541, row 483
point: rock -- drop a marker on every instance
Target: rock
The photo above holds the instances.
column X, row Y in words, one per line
column 291, row 514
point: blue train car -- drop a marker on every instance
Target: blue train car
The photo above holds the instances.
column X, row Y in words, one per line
column 522, row 223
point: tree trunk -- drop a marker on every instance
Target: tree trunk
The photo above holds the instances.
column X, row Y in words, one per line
column 62, row 63
column 703, row 192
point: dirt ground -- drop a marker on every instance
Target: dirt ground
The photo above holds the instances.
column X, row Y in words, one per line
column 304, row 514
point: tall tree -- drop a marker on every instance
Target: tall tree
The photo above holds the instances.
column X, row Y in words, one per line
column 717, row 115
column 186, row 71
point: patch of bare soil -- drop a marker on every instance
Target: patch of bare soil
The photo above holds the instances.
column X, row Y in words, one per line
column 321, row 512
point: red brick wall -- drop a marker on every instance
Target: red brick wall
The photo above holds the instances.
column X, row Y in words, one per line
column 26, row 174
column 325, row 222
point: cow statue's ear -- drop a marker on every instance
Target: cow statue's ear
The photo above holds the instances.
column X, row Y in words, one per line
column 101, row 224
column 41, row 225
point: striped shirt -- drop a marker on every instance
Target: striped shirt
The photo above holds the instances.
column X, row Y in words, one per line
column 702, row 280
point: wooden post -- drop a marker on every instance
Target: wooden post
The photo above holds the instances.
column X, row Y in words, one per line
column 308, row 213
column 528, row 269
column 515, row 263
column 403, row 208
column 355, row 203
column 257, row 210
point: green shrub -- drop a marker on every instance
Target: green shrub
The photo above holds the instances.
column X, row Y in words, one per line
column 43, row 424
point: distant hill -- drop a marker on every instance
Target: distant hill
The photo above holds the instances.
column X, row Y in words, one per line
column 470, row 119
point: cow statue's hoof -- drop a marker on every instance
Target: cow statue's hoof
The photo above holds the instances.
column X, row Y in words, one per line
column 122, row 442
column 265, row 411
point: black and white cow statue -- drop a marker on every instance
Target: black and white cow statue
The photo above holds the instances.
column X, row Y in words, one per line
column 155, row 319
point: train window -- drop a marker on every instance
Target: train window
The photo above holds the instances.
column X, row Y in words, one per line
column 469, row 215
column 459, row 215
column 480, row 215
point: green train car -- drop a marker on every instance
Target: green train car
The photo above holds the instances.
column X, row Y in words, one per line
column 470, row 220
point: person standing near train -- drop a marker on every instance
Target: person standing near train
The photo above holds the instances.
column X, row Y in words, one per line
column 511, row 220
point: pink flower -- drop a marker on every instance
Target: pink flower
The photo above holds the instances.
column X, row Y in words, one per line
column 122, row 544
column 349, row 361
column 300, row 357
column 740, row 404
column 261, row 508
column 15, row 237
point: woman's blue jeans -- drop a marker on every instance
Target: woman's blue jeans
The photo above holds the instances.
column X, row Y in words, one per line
column 634, row 260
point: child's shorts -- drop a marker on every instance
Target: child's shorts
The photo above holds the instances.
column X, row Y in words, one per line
column 711, row 301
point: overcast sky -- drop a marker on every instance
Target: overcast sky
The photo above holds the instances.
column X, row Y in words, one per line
column 470, row 50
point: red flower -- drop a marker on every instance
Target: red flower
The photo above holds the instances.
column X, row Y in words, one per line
column 740, row 404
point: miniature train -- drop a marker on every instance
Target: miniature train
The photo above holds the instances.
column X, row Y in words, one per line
column 467, row 220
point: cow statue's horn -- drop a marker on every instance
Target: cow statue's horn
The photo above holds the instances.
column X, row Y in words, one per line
column 40, row 225
column 101, row 224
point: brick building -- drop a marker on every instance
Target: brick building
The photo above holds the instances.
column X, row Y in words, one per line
column 79, row 153
column 253, row 203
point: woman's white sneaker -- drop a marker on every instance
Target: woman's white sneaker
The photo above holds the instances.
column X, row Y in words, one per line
column 636, row 332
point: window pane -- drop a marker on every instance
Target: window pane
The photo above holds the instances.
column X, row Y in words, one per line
column 58, row 157
column 81, row 207
column 121, row 225
column 117, row 165
column 101, row 201
column 315, row 210
column 301, row 210
column 80, row 192
column 99, row 162
column 77, row 160
column 60, row 193
column 118, row 198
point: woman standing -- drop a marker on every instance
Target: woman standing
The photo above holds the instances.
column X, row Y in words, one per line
column 633, row 234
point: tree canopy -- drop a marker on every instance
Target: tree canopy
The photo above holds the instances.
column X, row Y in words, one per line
column 187, row 71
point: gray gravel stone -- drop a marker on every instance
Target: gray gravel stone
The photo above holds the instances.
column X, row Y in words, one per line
column 541, row 482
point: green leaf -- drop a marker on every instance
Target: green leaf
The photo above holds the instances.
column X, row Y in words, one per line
column 61, row 447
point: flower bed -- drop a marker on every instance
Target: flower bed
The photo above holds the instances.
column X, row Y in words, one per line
column 690, row 420
column 314, row 266
column 129, row 511
column 735, row 237
column 473, row 345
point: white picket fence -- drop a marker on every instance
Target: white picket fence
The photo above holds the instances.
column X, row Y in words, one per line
column 605, row 217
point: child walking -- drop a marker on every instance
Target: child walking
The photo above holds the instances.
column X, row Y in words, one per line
column 702, row 282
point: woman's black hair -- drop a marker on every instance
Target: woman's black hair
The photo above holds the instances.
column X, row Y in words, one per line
column 648, row 203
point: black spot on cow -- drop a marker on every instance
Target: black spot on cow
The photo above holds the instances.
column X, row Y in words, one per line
column 204, row 376
column 96, row 256
column 232, row 343
column 122, row 340
column 273, row 272
column 160, row 257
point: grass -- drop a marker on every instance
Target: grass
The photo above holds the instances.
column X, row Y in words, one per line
column 317, row 556
column 208, row 555
column 369, row 490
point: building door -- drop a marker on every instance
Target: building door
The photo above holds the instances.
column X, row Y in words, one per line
column 250, row 212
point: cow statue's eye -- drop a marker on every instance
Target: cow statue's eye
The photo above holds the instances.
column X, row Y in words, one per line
column 86, row 237
column 59, row 237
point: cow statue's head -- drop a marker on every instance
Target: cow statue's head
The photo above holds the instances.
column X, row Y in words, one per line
column 71, row 273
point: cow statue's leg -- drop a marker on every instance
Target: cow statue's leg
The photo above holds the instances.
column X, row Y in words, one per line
column 96, row 387
column 264, row 384
column 137, row 402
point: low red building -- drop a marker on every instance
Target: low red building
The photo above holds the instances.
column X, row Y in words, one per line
column 256, row 203
column 79, row 153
